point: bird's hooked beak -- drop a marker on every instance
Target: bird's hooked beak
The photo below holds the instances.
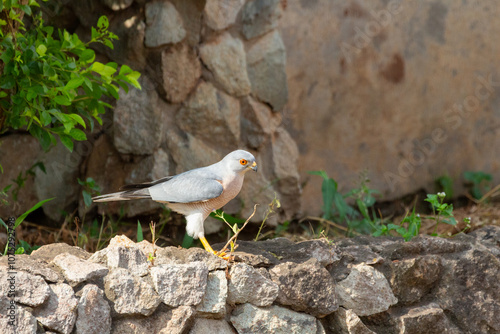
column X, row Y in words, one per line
column 254, row 166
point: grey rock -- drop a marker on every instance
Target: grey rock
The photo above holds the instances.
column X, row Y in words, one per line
column 20, row 152
column 62, row 169
column 19, row 321
column 213, row 303
column 426, row 319
column 180, row 284
column 181, row 70
column 203, row 326
column 207, row 105
column 247, row 285
column 136, row 120
column 247, row 318
column 266, row 70
column 29, row 289
column 129, row 293
column 225, row 58
column 176, row 255
column 467, row 289
column 191, row 13
column 346, row 322
column 489, row 236
column 285, row 160
column 94, row 313
column 175, row 321
column 189, row 151
column 260, row 16
column 220, row 14
column 58, row 313
column 365, row 291
column 27, row 263
column 163, row 24
column 47, row 253
column 413, row 278
column 296, row 290
column 76, row 270
column 258, row 122
column 117, row 4
column 130, row 258
column 130, row 29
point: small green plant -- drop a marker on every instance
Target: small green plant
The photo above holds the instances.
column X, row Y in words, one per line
column 140, row 235
column 442, row 212
column 479, row 183
column 444, row 184
column 275, row 204
column 336, row 208
column 408, row 228
column 90, row 188
column 21, row 218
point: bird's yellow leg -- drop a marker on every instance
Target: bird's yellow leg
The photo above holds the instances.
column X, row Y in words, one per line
column 209, row 248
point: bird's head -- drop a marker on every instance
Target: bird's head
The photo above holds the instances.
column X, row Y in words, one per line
column 240, row 161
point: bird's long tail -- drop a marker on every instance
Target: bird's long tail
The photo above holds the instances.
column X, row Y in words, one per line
column 123, row 196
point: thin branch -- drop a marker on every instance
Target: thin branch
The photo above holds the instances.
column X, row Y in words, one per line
column 239, row 230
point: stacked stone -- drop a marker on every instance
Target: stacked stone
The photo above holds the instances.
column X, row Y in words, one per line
column 213, row 80
column 363, row 285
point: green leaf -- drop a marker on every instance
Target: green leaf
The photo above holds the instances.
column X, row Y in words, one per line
column 62, row 100
column 87, row 198
column 77, row 134
column 67, row 141
column 140, row 236
column 103, row 70
column 74, row 83
column 103, row 22
column 87, row 56
column 78, row 119
column 46, row 118
column 41, row 50
column 22, row 217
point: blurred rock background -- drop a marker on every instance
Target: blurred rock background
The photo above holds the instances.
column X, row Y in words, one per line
column 408, row 91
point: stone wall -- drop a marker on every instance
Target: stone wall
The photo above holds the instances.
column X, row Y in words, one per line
column 361, row 285
column 213, row 80
column 409, row 90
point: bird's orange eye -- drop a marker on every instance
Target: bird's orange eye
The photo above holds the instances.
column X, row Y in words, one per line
column 243, row 162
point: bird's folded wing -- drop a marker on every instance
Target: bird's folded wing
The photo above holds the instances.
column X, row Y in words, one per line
column 186, row 189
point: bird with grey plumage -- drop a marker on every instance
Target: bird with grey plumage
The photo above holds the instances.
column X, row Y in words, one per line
column 194, row 193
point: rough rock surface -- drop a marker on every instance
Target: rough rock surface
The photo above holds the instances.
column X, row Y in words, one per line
column 76, row 270
column 181, row 70
column 163, row 24
column 350, row 286
column 131, row 258
column 220, row 14
column 130, row 294
column 266, row 70
column 366, row 291
column 225, row 57
column 247, row 318
column 296, row 290
column 182, row 284
column 59, row 312
column 137, row 126
column 213, row 303
column 247, row 285
column 30, row 290
column 94, row 313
